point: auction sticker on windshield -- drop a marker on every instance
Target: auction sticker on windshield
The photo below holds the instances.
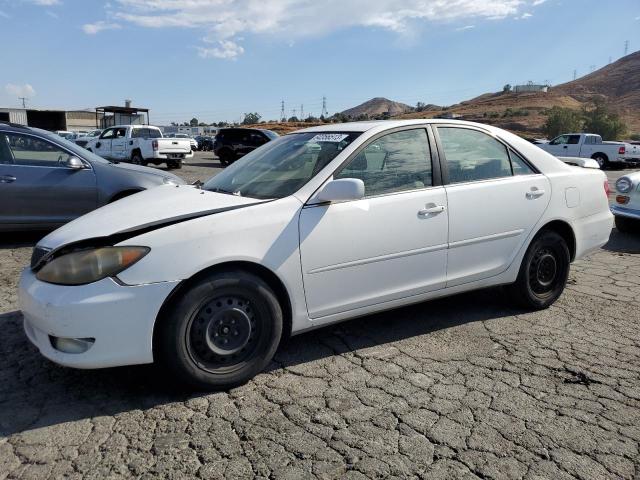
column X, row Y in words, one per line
column 329, row 137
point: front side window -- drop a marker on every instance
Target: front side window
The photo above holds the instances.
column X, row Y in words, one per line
column 574, row 139
column 32, row 151
column 472, row 155
column 561, row 140
column 397, row 162
column 108, row 134
column 281, row 167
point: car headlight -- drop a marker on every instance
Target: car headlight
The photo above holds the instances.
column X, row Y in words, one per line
column 86, row 266
column 624, row 185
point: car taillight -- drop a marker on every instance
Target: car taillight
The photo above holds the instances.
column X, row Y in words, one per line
column 621, row 150
column 154, row 144
column 607, row 190
column 623, row 199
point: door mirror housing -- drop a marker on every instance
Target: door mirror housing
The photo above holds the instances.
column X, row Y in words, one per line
column 341, row 190
column 74, row 163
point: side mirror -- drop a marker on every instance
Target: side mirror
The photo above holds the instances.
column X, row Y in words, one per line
column 75, row 163
column 341, row 190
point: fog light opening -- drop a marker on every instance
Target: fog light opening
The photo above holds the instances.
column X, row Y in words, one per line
column 71, row 345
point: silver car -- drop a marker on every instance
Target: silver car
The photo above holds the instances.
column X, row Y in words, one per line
column 46, row 181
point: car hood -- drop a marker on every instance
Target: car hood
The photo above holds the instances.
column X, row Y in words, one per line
column 129, row 167
column 144, row 211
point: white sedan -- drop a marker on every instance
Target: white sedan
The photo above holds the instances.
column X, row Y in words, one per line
column 315, row 227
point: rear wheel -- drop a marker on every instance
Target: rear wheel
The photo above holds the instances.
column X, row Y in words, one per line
column 226, row 157
column 543, row 273
column 137, row 159
column 221, row 332
column 602, row 160
column 626, row 225
column 174, row 164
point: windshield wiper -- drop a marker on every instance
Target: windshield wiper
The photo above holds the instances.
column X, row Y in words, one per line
column 226, row 192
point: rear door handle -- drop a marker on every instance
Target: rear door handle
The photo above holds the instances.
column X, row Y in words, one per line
column 535, row 193
column 431, row 210
column 7, row 179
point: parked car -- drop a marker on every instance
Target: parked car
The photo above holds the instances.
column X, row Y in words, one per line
column 233, row 143
column 140, row 145
column 627, row 207
column 320, row 225
column 63, row 133
column 83, row 140
column 205, row 143
column 46, row 181
column 589, row 145
column 192, row 141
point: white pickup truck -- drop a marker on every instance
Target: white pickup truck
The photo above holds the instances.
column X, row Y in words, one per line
column 140, row 144
column 589, row 145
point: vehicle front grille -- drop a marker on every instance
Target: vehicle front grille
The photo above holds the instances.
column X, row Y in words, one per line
column 37, row 254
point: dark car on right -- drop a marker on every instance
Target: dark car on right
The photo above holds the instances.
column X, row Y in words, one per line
column 233, row 143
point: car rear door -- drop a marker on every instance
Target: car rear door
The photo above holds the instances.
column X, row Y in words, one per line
column 40, row 188
column 389, row 245
column 495, row 198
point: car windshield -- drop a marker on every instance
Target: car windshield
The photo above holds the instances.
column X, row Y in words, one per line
column 281, row 167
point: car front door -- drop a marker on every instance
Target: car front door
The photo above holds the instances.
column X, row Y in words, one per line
column 42, row 189
column 495, row 199
column 572, row 148
column 119, row 144
column 389, row 245
column 102, row 146
column 558, row 146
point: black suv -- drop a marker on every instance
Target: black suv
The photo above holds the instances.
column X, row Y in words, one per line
column 232, row 143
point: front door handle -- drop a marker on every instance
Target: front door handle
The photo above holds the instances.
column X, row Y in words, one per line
column 7, row 179
column 535, row 193
column 431, row 209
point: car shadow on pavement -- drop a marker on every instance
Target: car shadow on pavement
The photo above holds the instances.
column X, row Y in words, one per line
column 620, row 242
column 36, row 393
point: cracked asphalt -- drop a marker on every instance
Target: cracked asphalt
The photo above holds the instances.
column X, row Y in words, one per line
column 464, row 387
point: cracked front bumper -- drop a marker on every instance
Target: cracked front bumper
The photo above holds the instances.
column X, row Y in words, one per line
column 119, row 318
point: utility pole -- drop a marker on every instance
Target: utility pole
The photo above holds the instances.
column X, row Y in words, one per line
column 301, row 111
column 24, row 101
column 324, row 107
column 282, row 115
column 293, row 112
column 626, row 47
column 575, row 73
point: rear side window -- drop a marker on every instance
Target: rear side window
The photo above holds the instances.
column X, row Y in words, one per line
column 397, row 162
column 474, row 156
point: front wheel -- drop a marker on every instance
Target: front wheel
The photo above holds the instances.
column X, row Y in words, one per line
column 543, row 273
column 221, row 332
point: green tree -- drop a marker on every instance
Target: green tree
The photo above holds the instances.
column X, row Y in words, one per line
column 506, row 88
column 251, row 118
column 420, row 107
column 599, row 119
column 562, row 120
column 293, row 119
column 194, row 122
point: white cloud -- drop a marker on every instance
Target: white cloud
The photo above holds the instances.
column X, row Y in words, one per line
column 97, row 27
column 52, row 14
column 25, row 90
column 538, row 2
column 226, row 20
column 526, row 15
column 466, row 27
column 226, row 49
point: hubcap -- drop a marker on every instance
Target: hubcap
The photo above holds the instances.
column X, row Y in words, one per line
column 223, row 332
column 543, row 271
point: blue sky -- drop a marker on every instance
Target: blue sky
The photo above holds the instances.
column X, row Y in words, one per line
column 216, row 59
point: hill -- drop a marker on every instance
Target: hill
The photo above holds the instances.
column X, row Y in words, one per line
column 524, row 113
column 377, row 106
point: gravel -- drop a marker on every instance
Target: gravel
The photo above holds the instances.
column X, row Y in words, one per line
column 464, row 387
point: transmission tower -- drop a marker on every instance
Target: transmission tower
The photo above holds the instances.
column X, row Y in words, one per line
column 324, row 107
column 575, row 74
column 282, row 115
column 626, row 47
column 301, row 111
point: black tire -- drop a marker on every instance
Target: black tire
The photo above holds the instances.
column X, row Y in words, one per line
column 626, row 225
column 602, row 160
column 221, row 332
column 543, row 273
column 226, row 157
column 137, row 159
column 175, row 164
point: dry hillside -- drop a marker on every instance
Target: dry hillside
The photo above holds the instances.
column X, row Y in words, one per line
column 377, row 106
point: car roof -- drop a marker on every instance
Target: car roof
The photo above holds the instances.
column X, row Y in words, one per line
column 385, row 124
